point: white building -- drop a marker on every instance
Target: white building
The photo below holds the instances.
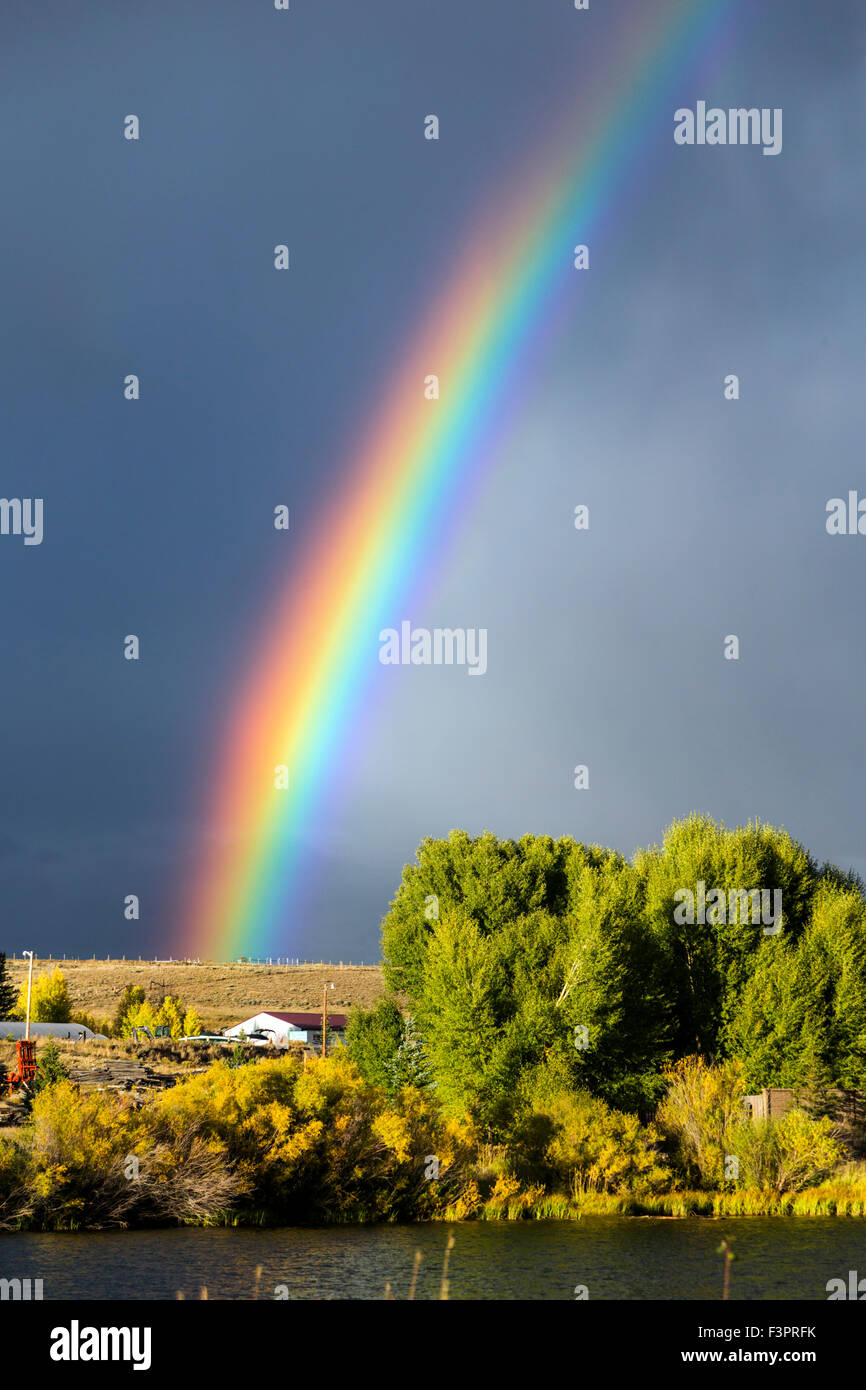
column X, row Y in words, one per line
column 75, row 1032
column 285, row 1028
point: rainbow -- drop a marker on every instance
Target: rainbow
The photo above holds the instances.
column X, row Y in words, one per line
column 314, row 657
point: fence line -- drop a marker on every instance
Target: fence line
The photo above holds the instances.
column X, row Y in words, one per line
column 286, row 962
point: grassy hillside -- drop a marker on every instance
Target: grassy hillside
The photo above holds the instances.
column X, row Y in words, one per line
column 222, row 994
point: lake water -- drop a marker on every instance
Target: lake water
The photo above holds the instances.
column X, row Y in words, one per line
column 615, row 1258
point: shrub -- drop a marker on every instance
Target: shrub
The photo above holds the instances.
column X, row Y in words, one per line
column 321, row 1142
column 703, row 1105
column 50, row 1068
column 578, row 1142
column 787, row 1155
column 702, row 1116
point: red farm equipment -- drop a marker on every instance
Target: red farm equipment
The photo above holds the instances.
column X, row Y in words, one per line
column 26, row 1050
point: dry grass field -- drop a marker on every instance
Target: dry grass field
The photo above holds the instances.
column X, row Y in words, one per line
column 222, row 994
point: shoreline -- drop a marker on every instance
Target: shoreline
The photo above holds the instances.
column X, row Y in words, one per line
column 786, row 1211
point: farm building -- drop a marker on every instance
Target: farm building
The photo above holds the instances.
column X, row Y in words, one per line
column 285, row 1028
column 74, row 1032
column 770, row 1103
column 847, row 1107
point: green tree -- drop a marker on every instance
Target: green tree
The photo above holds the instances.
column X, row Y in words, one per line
column 141, row 1015
column 131, row 997
column 767, row 1030
column 373, row 1037
column 50, row 1068
column 506, row 948
column 461, row 1015
column 541, row 958
column 7, row 989
column 614, row 990
column 192, row 1024
column 409, row 1066
column 801, row 1017
column 170, row 1012
column 49, row 1000
column 707, row 964
column 492, row 882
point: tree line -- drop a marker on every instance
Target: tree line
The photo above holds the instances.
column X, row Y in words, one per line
column 527, row 967
column 50, row 1002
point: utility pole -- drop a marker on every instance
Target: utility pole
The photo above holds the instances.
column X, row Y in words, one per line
column 29, row 986
column 325, row 1018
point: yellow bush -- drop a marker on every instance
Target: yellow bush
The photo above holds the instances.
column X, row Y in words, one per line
column 703, row 1105
column 581, row 1142
column 466, row 1205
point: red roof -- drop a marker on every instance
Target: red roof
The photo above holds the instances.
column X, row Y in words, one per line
column 309, row 1020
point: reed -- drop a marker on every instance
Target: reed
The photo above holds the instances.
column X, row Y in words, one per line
column 837, row 1198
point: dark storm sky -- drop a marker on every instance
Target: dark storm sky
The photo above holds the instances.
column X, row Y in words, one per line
column 605, row 648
